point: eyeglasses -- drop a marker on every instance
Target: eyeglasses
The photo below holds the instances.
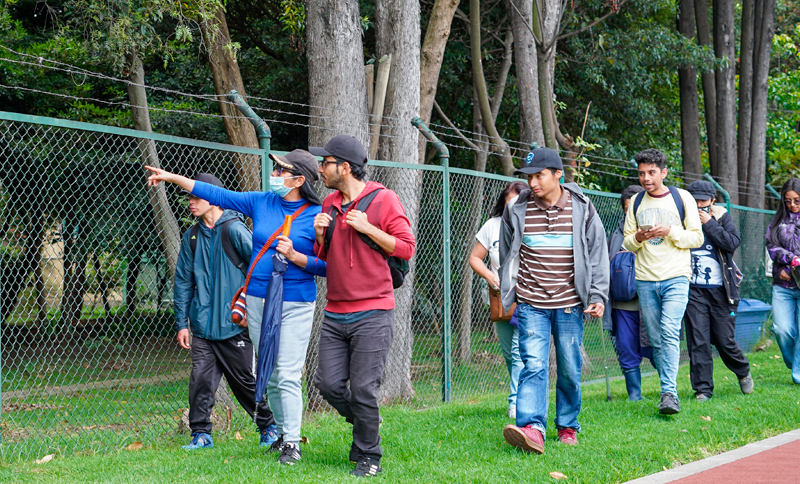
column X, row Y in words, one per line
column 281, row 171
column 323, row 163
column 790, row 202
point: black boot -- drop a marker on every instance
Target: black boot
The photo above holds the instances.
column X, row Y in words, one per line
column 633, row 382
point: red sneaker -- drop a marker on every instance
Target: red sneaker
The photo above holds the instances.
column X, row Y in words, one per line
column 568, row 436
column 526, row 438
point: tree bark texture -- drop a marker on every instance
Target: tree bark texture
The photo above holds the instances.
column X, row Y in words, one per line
column 687, row 80
column 226, row 76
column 745, row 86
column 431, row 57
column 165, row 223
column 527, row 71
column 500, row 147
column 725, row 48
column 398, row 34
column 337, row 88
column 709, row 83
column 757, row 163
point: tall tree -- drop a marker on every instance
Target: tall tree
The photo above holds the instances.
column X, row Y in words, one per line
column 709, row 83
column 436, row 35
column 527, row 71
column 725, row 49
column 337, row 87
column 745, row 86
column 687, row 81
column 397, row 24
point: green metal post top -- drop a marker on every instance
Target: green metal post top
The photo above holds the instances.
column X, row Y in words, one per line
column 261, row 126
column 772, row 191
column 444, row 153
column 719, row 188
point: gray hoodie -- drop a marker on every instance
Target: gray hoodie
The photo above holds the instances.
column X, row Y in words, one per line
column 589, row 246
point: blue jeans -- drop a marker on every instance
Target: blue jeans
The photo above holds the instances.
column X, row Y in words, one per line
column 509, row 344
column 663, row 304
column 786, row 325
column 535, row 327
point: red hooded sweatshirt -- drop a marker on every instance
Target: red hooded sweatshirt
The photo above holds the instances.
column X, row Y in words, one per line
column 358, row 276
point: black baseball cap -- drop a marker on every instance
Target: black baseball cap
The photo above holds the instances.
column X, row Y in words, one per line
column 207, row 178
column 539, row 159
column 702, row 190
column 298, row 161
column 344, row 147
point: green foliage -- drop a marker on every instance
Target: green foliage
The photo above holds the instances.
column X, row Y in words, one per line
column 293, row 16
column 783, row 121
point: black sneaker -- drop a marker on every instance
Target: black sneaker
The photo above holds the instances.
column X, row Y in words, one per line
column 366, row 467
column 275, row 446
column 290, row 454
column 669, row 404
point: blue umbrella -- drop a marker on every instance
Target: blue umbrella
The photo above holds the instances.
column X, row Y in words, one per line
column 270, row 338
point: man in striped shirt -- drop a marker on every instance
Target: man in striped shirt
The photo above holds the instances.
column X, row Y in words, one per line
column 554, row 265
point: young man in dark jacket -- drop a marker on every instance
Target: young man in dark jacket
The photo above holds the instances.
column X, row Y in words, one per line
column 713, row 297
column 205, row 282
column 358, row 326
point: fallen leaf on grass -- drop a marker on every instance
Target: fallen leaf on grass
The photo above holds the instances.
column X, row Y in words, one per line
column 704, row 428
column 665, row 468
column 227, row 460
column 726, row 378
column 44, row 459
column 134, row 446
column 239, row 436
column 304, row 440
column 706, row 418
column 557, row 475
column 684, row 430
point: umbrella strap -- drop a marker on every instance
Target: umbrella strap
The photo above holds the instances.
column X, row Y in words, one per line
column 267, row 245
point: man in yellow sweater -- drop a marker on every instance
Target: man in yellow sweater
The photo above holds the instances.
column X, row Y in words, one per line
column 662, row 226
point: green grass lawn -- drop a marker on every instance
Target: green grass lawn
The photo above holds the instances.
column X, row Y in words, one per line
column 463, row 442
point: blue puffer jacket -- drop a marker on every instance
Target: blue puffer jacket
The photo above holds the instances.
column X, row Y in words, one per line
column 205, row 282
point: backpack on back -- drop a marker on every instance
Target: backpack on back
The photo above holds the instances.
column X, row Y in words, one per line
column 227, row 244
column 676, row 197
column 623, row 276
column 397, row 266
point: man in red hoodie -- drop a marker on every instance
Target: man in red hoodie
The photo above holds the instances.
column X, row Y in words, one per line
column 358, row 325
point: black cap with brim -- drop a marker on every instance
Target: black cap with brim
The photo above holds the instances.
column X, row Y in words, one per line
column 207, row 178
column 540, row 159
column 298, row 161
column 702, row 190
column 343, row 147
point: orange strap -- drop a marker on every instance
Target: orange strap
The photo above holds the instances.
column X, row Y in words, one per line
column 268, row 243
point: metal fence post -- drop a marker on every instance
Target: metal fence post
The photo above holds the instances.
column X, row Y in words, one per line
column 262, row 132
column 444, row 158
column 719, row 188
column 772, row 191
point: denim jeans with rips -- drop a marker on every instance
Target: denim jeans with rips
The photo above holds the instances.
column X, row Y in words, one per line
column 535, row 327
column 663, row 304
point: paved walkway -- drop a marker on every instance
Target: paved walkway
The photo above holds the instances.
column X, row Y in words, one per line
column 775, row 460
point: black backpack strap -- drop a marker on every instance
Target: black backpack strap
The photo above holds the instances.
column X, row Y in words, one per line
column 361, row 206
column 193, row 232
column 230, row 250
column 331, row 226
column 676, row 197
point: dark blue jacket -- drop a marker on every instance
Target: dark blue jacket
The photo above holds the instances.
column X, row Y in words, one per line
column 206, row 281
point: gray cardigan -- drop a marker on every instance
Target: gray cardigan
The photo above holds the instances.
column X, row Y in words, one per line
column 589, row 246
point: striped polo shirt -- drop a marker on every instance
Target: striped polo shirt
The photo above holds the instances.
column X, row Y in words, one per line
column 546, row 277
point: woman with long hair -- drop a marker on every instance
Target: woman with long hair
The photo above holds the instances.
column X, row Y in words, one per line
column 783, row 244
column 488, row 243
column 291, row 189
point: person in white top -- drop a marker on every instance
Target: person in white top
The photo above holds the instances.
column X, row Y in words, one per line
column 488, row 242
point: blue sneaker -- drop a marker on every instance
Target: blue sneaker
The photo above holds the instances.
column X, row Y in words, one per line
column 269, row 436
column 199, row 441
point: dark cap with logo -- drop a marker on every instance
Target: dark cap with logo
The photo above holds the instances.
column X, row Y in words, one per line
column 207, row 178
column 300, row 162
column 702, row 190
column 344, row 147
column 540, row 159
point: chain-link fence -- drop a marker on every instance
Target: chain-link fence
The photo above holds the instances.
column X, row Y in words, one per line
column 89, row 359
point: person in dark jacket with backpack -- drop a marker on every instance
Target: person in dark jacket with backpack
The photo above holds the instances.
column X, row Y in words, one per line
column 623, row 321
column 206, row 279
column 713, row 297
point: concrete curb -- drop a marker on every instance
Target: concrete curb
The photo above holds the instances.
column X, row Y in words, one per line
column 718, row 460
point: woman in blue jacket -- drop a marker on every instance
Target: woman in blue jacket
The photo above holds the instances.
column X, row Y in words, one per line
column 290, row 188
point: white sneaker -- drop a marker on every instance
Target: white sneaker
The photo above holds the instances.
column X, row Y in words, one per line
column 512, row 412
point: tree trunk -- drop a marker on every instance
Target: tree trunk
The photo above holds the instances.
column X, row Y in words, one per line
column 526, row 65
column 431, row 57
column 745, row 87
column 226, row 76
column 500, row 145
column 165, row 223
column 690, row 117
column 134, row 264
column 546, row 19
column 102, row 286
column 758, row 134
column 337, row 88
column 725, row 48
column 709, row 86
column 398, row 34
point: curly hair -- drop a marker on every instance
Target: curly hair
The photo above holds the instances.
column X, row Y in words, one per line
column 651, row 156
column 629, row 193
